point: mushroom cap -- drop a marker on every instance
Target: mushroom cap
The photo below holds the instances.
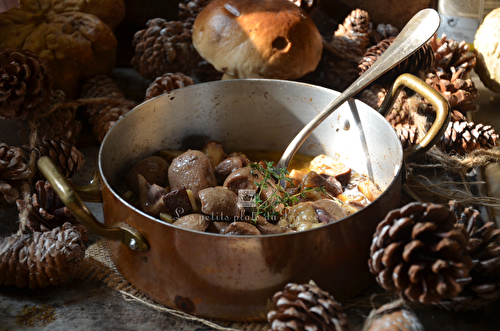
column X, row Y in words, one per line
column 486, row 43
column 257, row 38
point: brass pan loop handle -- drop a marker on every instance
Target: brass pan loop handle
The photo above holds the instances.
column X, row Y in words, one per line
column 435, row 98
column 120, row 231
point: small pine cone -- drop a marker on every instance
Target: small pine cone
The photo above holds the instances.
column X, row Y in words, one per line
column 25, row 84
column 164, row 46
column 463, row 137
column 459, row 92
column 373, row 96
column 384, row 31
column 451, row 55
column 13, row 170
column 400, row 111
column 166, row 83
column 189, row 9
column 353, row 36
column 393, row 316
column 417, row 252
column 40, row 259
column 407, row 133
column 103, row 115
column 306, row 307
column 67, row 158
column 48, row 211
column 483, row 285
column 101, row 86
column 60, row 124
column 418, row 63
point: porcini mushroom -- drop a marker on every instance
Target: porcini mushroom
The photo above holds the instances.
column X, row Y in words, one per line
column 257, row 39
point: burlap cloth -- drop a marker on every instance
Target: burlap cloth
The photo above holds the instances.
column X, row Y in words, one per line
column 98, row 266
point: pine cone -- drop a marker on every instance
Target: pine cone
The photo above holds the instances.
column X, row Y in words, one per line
column 345, row 50
column 41, row 258
column 353, row 36
column 373, row 96
column 67, row 158
column 189, row 9
column 460, row 93
column 483, row 285
column 60, row 124
column 384, row 31
column 417, row 252
column 393, row 316
column 13, row 170
column 102, row 116
column 166, row 83
column 400, row 111
column 451, row 56
column 306, row 307
column 25, row 84
column 48, row 211
column 418, row 63
column 463, row 137
column 407, row 133
column 164, row 47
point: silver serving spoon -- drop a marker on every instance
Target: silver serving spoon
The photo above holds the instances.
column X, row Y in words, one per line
column 417, row 32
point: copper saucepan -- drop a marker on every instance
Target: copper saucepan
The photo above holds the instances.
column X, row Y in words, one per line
column 234, row 277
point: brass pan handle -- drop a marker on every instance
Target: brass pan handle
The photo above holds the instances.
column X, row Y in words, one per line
column 120, row 231
column 435, row 98
column 437, row 129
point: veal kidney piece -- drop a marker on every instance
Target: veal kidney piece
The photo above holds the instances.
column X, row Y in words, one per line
column 193, row 171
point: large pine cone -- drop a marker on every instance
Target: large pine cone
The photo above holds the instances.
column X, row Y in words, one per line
column 463, row 137
column 459, row 92
column 452, row 55
column 482, row 287
column 306, row 307
column 103, row 115
column 67, row 158
column 164, row 47
column 13, row 170
column 48, row 211
column 25, row 84
column 41, row 258
column 419, row 63
column 417, row 252
column 166, row 83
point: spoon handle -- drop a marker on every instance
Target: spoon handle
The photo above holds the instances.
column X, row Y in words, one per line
column 416, row 32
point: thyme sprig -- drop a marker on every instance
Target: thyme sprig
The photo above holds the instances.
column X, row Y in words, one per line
column 279, row 197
